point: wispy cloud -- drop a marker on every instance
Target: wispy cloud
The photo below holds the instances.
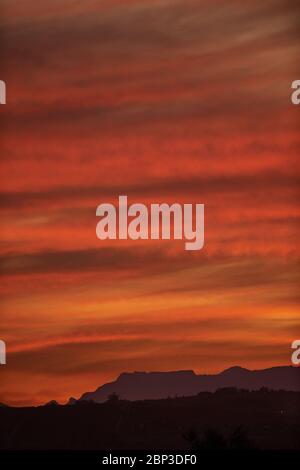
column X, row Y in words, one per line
column 162, row 100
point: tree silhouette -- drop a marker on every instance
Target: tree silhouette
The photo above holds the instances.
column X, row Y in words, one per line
column 239, row 439
column 212, row 439
column 113, row 398
column 209, row 440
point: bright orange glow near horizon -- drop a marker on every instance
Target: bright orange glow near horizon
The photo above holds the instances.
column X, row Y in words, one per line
column 163, row 101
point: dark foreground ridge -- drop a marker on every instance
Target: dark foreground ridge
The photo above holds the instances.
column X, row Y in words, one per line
column 226, row 419
column 156, row 385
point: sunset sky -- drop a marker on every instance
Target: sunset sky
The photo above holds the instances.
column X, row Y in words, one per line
column 164, row 101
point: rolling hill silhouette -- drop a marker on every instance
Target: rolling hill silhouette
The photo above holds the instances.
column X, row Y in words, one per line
column 228, row 419
column 157, row 385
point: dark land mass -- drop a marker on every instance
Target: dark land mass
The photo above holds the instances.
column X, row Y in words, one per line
column 156, row 385
column 226, row 418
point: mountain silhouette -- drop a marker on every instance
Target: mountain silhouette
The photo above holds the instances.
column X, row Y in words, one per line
column 51, row 403
column 157, row 385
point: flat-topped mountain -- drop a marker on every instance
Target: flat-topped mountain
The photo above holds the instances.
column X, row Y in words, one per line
column 156, row 385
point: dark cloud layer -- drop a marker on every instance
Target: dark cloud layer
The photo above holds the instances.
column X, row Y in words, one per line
column 197, row 186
